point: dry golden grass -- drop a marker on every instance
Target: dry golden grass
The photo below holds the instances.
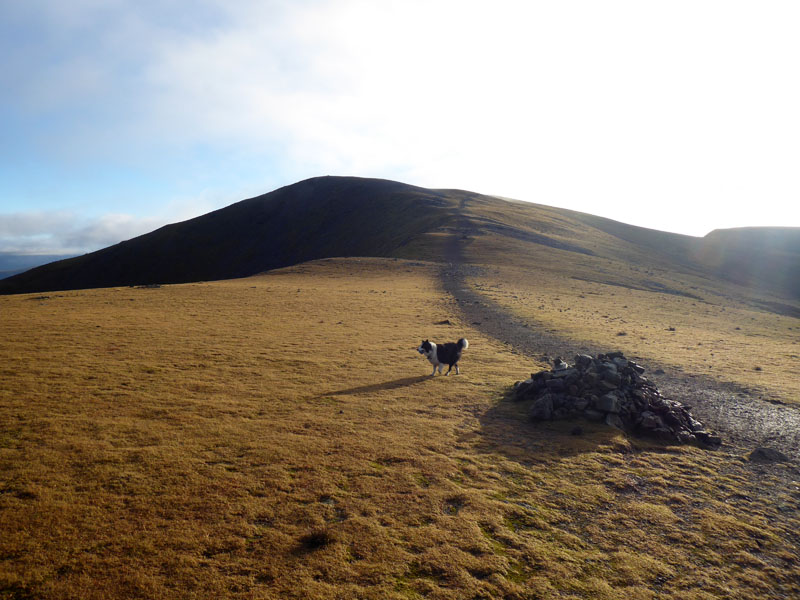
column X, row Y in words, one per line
column 641, row 300
column 279, row 437
column 710, row 334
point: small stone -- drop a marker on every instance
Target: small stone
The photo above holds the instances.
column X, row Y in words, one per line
column 559, row 364
column 695, row 425
column 614, row 421
column 608, row 366
column 565, row 373
column 542, row 409
column 593, row 415
column 609, row 403
column 651, row 421
column 577, row 430
column 767, row 455
column 607, row 386
column 620, row 362
column 707, row 438
column 580, row 404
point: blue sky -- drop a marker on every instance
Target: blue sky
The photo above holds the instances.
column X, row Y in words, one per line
column 120, row 116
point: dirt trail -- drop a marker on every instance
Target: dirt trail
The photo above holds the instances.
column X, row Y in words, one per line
column 742, row 419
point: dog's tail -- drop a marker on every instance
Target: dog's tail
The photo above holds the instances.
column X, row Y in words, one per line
column 463, row 343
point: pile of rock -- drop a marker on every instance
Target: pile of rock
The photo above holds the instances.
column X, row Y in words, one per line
column 613, row 389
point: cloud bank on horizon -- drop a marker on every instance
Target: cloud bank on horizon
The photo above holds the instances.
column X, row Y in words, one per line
column 121, row 116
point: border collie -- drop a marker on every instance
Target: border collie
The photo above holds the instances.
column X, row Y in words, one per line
column 443, row 354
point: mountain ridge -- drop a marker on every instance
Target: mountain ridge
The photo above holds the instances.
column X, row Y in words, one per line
column 332, row 216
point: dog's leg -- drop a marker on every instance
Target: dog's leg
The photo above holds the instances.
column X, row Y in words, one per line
column 448, row 370
column 434, row 371
column 457, row 373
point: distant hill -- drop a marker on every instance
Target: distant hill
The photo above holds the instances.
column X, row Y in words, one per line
column 11, row 264
column 349, row 216
column 766, row 257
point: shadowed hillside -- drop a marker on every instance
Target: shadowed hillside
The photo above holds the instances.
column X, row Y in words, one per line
column 316, row 218
column 755, row 256
column 347, row 216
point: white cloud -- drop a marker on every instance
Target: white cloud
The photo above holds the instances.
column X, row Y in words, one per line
column 67, row 233
column 678, row 116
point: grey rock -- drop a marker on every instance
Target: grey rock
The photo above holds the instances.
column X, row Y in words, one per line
column 708, row 439
column 566, row 373
column 609, row 403
column 607, row 386
column 610, row 388
column 767, row 455
column 608, row 366
column 580, row 404
column 594, row 415
column 521, row 388
column 559, row 364
column 695, row 425
column 651, row 421
column 620, row 362
column 542, row 409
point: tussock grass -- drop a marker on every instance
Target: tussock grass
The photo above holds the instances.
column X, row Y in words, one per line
column 725, row 340
column 639, row 299
column 279, row 437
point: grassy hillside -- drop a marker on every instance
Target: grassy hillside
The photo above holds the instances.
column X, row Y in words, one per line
column 348, row 216
column 317, row 218
column 755, row 256
column 279, row 437
column 646, row 297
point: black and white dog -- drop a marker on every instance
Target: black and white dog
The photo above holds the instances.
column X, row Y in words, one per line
column 443, row 354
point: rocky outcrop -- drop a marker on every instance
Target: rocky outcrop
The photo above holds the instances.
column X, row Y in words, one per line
column 612, row 389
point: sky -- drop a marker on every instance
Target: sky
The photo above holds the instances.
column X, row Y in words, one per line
column 120, row 116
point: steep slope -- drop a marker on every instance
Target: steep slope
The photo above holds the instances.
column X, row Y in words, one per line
column 316, row 218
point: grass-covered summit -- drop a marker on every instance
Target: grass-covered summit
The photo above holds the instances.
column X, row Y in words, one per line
column 328, row 217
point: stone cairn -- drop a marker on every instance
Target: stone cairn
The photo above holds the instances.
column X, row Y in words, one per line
column 612, row 389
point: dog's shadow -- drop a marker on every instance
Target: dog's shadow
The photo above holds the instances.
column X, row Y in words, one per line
column 378, row 387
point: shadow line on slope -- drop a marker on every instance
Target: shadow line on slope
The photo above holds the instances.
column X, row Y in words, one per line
column 739, row 414
column 377, row 387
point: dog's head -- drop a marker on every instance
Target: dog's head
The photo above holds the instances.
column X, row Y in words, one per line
column 425, row 347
